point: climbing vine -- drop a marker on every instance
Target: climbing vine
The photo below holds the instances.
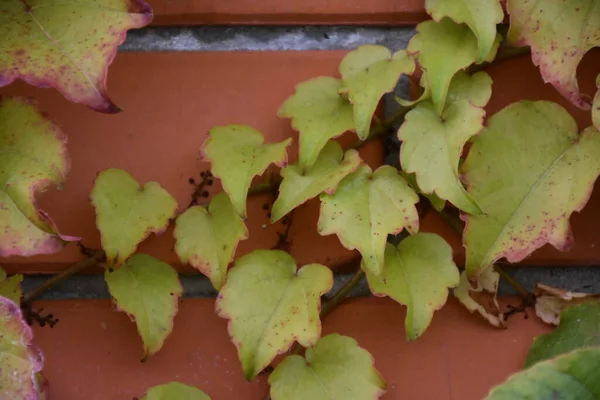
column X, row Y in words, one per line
column 514, row 178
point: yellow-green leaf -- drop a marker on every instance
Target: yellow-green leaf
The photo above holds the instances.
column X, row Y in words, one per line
column 432, row 145
column 318, row 113
column 207, row 239
column 67, row 45
column 127, row 212
column 528, row 170
column 33, row 157
column 572, row 376
column 297, row 186
column 148, row 290
column 20, row 361
column 433, row 198
column 336, row 368
column 418, row 274
column 175, row 391
column 481, row 16
column 367, row 207
column 559, row 34
column 270, row 304
column 476, row 88
column 482, row 298
column 237, row 154
column 579, row 327
column 368, row 73
column 444, row 48
column 10, row 287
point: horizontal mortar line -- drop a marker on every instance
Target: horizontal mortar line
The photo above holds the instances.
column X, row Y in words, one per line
column 264, row 38
column 575, row 278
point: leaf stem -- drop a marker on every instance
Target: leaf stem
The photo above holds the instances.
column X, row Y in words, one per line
column 97, row 257
column 331, row 303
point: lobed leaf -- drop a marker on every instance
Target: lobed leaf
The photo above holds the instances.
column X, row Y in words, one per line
column 572, row 376
column 319, row 113
column 269, row 305
column 432, row 145
column 418, row 274
column 10, row 287
column 67, row 45
column 528, row 170
column 127, row 212
column 175, row 391
column 442, row 49
column 33, row 157
column 148, row 290
column 368, row 73
column 299, row 186
column 559, row 34
column 481, row 16
column 433, row 198
column 336, row 368
column 237, row 154
column 550, row 302
column 20, row 361
column 579, row 327
column 482, row 298
column 207, row 239
column 366, row 207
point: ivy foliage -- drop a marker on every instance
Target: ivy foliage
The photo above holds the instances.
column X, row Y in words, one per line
column 516, row 176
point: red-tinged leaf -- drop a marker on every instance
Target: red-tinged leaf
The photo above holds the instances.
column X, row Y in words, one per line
column 529, row 170
column 551, row 302
column 559, row 34
column 33, row 157
column 20, row 361
column 67, row 45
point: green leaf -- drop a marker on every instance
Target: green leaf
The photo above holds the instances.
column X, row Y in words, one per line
column 596, row 106
column 573, row 376
column 20, row 361
column 418, row 274
column 425, row 95
column 66, row 45
column 11, row 287
column 33, row 157
column 207, row 239
column 127, row 212
column 368, row 73
column 528, row 170
column 481, row 16
column 482, row 298
column 319, row 113
column 175, row 391
column 579, row 327
column 432, row 145
column 237, row 154
column 148, row 290
column 336, row 368
column 298, row 187
column 559, row 34
column 365, row 208
column 270, row 305
column 444, row 48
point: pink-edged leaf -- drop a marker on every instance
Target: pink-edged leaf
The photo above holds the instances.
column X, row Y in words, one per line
column 559, row 34
column 67, row 45
column 529, row 170
column 33, row 157
column 20, row 360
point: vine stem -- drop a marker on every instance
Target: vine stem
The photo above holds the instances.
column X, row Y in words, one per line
column 97, row 257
